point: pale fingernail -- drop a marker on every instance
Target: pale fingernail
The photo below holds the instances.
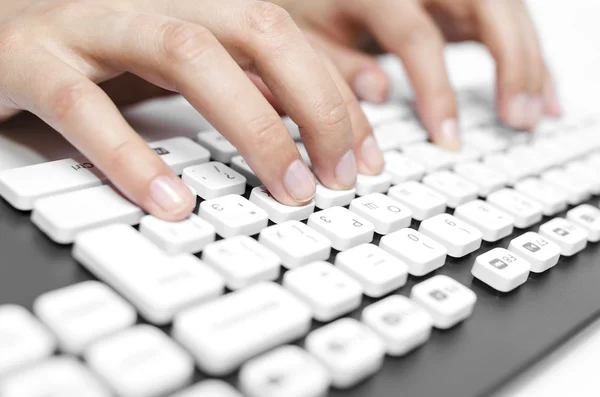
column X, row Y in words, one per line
column 449, row 137
column 518, row 110
column 345, row 172
column 299, row 182
column 169, row 193
column 536, row 108
column 371, row 155
column 368, row 86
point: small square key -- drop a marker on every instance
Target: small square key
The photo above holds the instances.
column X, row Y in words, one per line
column 187, row 236
column 280, row 212
column 588, row 217
column 240, row 165
column 552, row 198
column 493, row 223
column 487, row 179
column 219, row 147
column 457, row 236
column 399, row 322
column 214, row 179
column 385, row 213
column 378, row 271
column 526, row 211
column 422, row 200
column 401, row 168
column 328, row 291
column 234, row 215
column 445, row 299
column 570, row 237
column 327, row 198
column 342, row 227
column 367, row 184
column 456, row 189
column 541, row 253
column 501, row 269
column 421, row 254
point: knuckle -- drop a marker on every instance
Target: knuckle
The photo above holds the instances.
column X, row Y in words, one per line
column 184, row 43
column 263, row 128
column 333, row 115
column 269, row 19
column 65, row 98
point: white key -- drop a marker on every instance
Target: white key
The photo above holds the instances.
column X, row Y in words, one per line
column 342, row 227
column 287, row 371
column 508, row 166
column 280, row 212
column 466, row 154
column 445, row 299
column 64, row 216
column 501, row 269
column 459, row 237
column 234, row 215
column 421, row 253
column 189, row 235
column 423, row 201
column 577, row 190
column 401, row 168
column 493, row 223
column 552, row 198
column 239, row 164
column 223, row 334
column 158, row 284
column 295, row 243
column 329, row 292
column 485, row 142
column 541, row 253
column 430, row 156
column 179, row 153
column 82, row 313
column 588, row 217
column 303, row 153
column 382, row 113
column 327, row 198
column 400, row 323
column 23, row 339
column 386, row 214
column 209, row 388
column 57, row 377
column 292, row 127
column 214, row 179
column 525, row 210
column 581, row 170
column 570, row 237
column 242, row 261
column 398, row 134
column 487, row 179
column 457, row 190
column 367, row 184
column 141, row 362
column 219, row 147
column 348, row 349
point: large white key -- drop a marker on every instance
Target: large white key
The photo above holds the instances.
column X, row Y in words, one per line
column 457, row 190
column 552, row 198
column 327, row 198
column 234, row 215
column 57, row 377
column 525, row 210
column 295, row 243
column 242, row 261
column 457, row 236
column 342, row 227
column 508, row 166
column 487, row 179
column 432, row 157
column 570, row 237
column 189, row 235
column 214, row 179
column 377, row 271
column 223, row 334
column 209, row 388
column 349, row 349
column 385, row 213
column 367, row 184
column 219, row 147
column 493, row 223
column 576, row 189
column 501, row 269
column 158, row 284
column 541, row 253
column 386, row 113
column 280, row 212
column 287, row 371
column 422, row 200
column 180, row 152
column 64, row 216
column 401, row 168
column 23, row 340
column 588, row 217
column 328, row 291
column 141, row 362
column 400, row 323
column 82, row 313
column 239, row 164
column 447, row 301
column 398, row 134
column 421, row 253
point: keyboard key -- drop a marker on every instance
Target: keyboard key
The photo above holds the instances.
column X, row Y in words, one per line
column 295, row 243
column 570, row 237
column 367, row 184
column 582, row 171
column 385, row 113
column 398, row 134
column 501, row 269
column 180, row 152
column 423, row 201
column 377, row 271
column 223, row 334
column 141, row 362
column 329, row 292
column 541, row 253
column 188, row 236
column 455, row 189
column 485, row 142
column 292, row 127
column 287, row 371
column 552, row 198
column 158, row 284
column 242, row 261
column 64, row 216
column 209, row 388
column 493, row 223
column 214, row 179
column 588, row 217
column 386, row 214
column 239, row 164
column 326, row 198
column 401, row 168
column 82, row 313
column 577, row 190
column 278, row 212
column 234, row 215
column 23, row 339
column 446, row 300
column 430, row 156
column 487, row 179
column 304, row 153
column 420, row 253
column 219, row 147
column 526, row 211
column 342, row 227
column 457, row 236
column 348, row 349
column 400, row 323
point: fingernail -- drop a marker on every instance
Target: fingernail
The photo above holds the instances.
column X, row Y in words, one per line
column 449, row 137
column 518, row 111
column 536, row 108
column 299, row 182
column 345, row 172
column 368, row 86
column 371, row 155
column 169, row 193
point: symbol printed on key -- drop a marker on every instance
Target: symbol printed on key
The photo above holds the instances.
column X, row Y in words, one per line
column 336, row 347
column 438, row 295
column 588, row 218
column 392, row 319
column 161, row 151
column 561, row 232
column 498, row 264
column 531, row 247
